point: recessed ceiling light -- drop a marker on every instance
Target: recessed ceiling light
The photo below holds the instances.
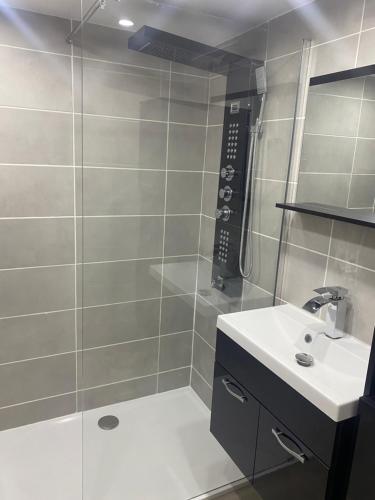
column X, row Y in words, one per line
column 127, row 23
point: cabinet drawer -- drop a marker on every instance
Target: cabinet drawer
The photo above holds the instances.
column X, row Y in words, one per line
column 234, row 420
column 284, row 468
column 305, row 420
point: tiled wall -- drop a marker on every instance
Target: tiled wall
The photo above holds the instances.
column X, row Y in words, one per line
column 131, row 260
column 338, row 145
column 317, row 251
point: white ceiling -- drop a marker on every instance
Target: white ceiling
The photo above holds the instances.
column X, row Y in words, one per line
column 210, row 21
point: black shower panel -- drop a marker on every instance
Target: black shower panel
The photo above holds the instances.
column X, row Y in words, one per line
column 241, row 109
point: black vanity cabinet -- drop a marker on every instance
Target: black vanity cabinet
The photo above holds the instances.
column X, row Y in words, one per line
column 284, row 468
column 282, row 443
column 234, row 420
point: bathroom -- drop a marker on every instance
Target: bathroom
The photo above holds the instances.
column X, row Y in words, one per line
column 187, row 258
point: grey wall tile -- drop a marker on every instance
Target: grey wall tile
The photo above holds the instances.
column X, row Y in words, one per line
column 189, row 98
column 123, row 192
column 202, row 389
column 207, row 237
column 28, row 291
column 113, row 282
column 369, row 17
column 252, row 44
column 48, row 84
column 36, row 379
column 175, row 351
column 203, row 359
column 341, row 17
column 117, row 393
column 264, row 250
column 205, row 321
column 119, row 362
column 274, row 148
column 36, row 242
column 181, row 235
column 34, row 336
column 115, row 90
column 360, row 283
column 184, row 193
column 254, row 297
column 362, row 191
column 122, row 143
column 177, row 314
column 366, row 52
column 37, row 411
column 174, row 379
column 210, row 190
column 20, row 189
column 179, row 275
column 331, row 115
column 218, row 86
column 99, row 42
column 327, row 154
column 369, row 90
column 335, row 56
column 120, row 323
column 282, row 77
column 266, row 217
column 364, row 157
column 354, row 244
column 45, row 33
column 213, row 148
column 186, row 147
column 117, row 238
column 23, row 136
column 304, row 271
column 367, row 122
column 310, row 232
column 318, row 189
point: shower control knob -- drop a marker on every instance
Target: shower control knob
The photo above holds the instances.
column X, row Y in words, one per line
column 228, row 173
column 223, row 213
column 226, row 193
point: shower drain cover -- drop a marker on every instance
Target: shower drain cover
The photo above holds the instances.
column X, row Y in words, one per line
column 108, row 422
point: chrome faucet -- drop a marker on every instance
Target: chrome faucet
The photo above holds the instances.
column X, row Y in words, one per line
column 335, row 298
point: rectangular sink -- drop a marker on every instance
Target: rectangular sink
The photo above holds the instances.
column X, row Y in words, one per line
column 274, row 335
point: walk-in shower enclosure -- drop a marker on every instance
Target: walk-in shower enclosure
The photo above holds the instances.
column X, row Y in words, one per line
column 118, row 149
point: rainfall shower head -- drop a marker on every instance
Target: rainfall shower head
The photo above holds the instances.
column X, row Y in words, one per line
column 182, row 50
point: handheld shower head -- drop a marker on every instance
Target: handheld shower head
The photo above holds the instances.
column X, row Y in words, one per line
column 261, row 80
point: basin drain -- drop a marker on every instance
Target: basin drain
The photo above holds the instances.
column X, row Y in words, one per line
column 108, row 422
column 304, row 359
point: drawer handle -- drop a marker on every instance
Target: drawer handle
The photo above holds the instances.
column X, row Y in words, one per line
column 298, row 456
column 227, row 383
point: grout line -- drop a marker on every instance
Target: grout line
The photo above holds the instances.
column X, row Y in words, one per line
column 201, row 376
column 94, row 348
column 164, row 222
column 328, row 254
column 28, row 49
column 148, row 68
column 204, row 340
column 200, row 227
column 37, row 400
column 356, row 143
column 360, row 33
column 80, row 263
column 26, row 360
column 74, row 221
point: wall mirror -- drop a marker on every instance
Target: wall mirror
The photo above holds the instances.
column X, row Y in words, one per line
column 337, row 166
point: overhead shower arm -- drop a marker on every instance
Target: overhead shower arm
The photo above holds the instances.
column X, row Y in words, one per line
column 98, row 4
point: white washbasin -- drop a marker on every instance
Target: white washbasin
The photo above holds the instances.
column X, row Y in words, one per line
column 274, row 335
